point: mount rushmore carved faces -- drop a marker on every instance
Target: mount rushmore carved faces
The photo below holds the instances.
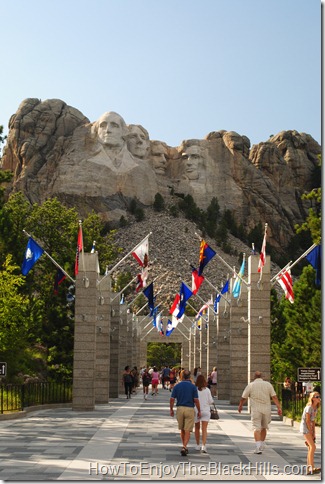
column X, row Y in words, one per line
column 138, row 141
column 193, row 162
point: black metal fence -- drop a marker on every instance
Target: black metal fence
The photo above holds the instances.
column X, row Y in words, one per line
column 293, row 401
column 14, row 398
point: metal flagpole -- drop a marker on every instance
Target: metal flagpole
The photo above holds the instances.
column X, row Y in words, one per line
column 226, row 264
column 51, row 259
column 123, row 258
column 122, row 290
column 289, row 265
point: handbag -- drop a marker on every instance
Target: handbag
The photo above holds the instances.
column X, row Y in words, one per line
column 214, row 415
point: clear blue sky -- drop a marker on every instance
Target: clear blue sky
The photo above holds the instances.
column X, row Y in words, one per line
column 180, row 68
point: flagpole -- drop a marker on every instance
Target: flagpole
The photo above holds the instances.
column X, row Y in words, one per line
column 122, row 290
column 274, row 279
column 51, row 258
column 263, row 246
column 82, row 245
column 123, row 258
column 226, row 264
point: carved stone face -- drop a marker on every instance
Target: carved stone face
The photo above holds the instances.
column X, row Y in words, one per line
column 158, row 155
column 193, row 162
column 138, row 141
column 111, row 130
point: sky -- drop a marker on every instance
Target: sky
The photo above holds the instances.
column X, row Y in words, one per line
column 179, row 68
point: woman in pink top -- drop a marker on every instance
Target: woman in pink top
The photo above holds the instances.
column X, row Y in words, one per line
column 155, row 378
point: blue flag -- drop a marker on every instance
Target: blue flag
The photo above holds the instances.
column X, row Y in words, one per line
column 315, row 259
column 185, row 294
column 169, row 328
column 32, row 254
column 218, row 296
column 148, row 292
column 237, row 286
column 206, row 254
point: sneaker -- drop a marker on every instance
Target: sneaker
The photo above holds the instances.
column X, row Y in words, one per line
column 197, row 447
column 204, row 449
column 257, row 450
column 263, row 446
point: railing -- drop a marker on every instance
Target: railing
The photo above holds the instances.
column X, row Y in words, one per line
column 14, row 398
column 293, row 401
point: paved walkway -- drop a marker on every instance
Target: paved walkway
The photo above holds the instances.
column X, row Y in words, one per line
column 137, row 439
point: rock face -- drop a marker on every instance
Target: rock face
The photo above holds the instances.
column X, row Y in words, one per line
column 55, row 151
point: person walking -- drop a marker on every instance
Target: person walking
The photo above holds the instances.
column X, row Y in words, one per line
column 307, row 428
column 206, row 400
column 127, row 381
column 146, row 380
column 186, row 395
column 213, row 384
column 172, row 378
column 154, row 381
column 260, row 393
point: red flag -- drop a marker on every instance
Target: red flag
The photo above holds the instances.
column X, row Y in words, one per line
column 196, row 281
column 175, row 305
column 262, row 255
column 141, row 279
column 285, row 282
column 79, row 249
column 141, row 253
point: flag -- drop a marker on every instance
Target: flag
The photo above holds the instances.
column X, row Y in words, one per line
column 78, row 250
column 185, row 294
column 202, row 311
column 218, row 295
column 148, row 292
column 141, row 253
column 196, row 281
column 175, row 306
column 169, row 328
column 141, row 279
column 206, row 254
column 60, row 276
column 93, row 247
column 122, row 299
column 237, row 286
column 32, row 254
column 285, row 281
column 314, row 258
column 176, row 320
column 262, row 254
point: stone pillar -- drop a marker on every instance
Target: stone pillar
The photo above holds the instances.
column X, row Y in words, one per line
column 222, row 350
column 212, row 342
column 238, row 345
column 115, row 385
column 84, row 353
column 259, row 328
column 103, row 341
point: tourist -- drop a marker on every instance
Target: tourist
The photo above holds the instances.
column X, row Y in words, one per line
column 213, row 383
column 186, row 395
column 260, row 393
column 172, row 378
column 127, row 381
column 202, row 422
column 307, row 428
column 146, row 380
column 155, row 378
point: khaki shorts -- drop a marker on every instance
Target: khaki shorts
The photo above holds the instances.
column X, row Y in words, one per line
column 260, row 420
column 185, row 418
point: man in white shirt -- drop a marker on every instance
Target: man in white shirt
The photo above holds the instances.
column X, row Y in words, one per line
column 260, row 393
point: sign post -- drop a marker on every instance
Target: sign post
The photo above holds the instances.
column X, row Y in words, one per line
column 309, row 374
column 3, row 369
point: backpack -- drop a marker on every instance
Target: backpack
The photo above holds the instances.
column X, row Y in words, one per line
column 128, row 378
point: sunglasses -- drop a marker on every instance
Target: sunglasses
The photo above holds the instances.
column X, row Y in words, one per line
column 317, row 396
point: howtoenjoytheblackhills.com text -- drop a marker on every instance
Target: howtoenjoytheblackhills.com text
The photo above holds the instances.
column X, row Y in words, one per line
column 182, row 469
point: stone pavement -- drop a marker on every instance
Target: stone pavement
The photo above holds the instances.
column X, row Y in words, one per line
column 138, row 440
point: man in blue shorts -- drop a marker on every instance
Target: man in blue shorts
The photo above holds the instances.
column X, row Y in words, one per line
column 186, row 394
